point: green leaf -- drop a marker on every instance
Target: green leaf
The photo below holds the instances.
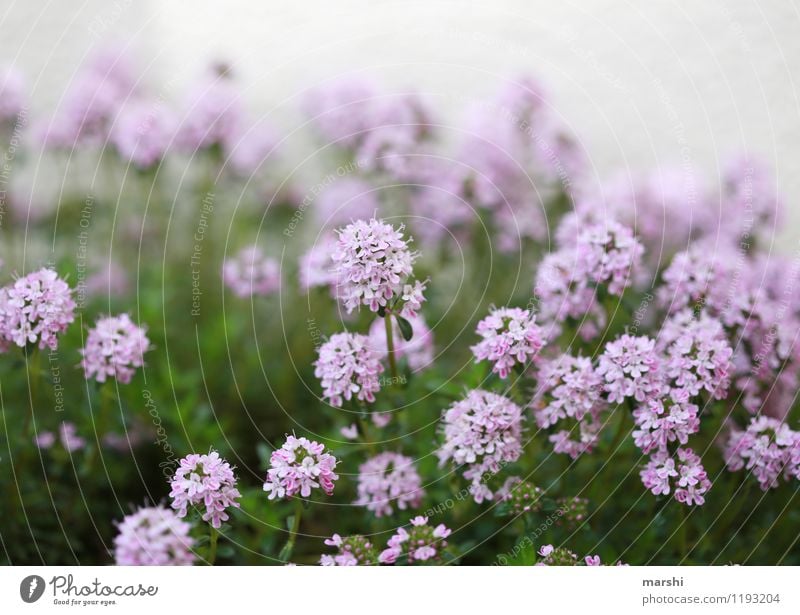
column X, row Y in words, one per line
column 405, row 328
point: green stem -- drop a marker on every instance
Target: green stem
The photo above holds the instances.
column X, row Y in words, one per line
column 365, row 433
column 286, row 552
column 212, row 545
column 34, row 374
column 620, row 430
column 387, row 321
column 682, row 535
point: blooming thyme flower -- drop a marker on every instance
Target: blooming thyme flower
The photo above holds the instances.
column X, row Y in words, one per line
column 421, row 543
column 344, row 110
column 510, row 337
column 659, row 421
column 698, row 353
column 316, row 265
column 630, row 368
column 388, row 478
column 153, row 537
column 556, row 556
column 610, row 254
column 691, row 479
column 482, row 431
column 299, row 466
column 348, row 366
column 70, row 440
column 212, row 114
column 353, row 551
column 114, row 349
column 205, row 481
column 371, row 262
column 413, row 297
column 35, row 309
column 251, row 273
column 767, row 448
column 418, row 351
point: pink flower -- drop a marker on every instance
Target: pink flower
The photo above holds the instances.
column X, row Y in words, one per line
column 483, row 433
column 299, row 466
column 688, row 474
column 592, row 560
column 371, row 263
column 205, row 481
column 44, row 439
column 317, row 267
column 350, row 432
column 610, row 254
column 142, row 132
column 13, row 97
column 510, row 337
column 545, row 550
column 767, row 448
column 251, row 273
column 114, row 349
column 213, row 113
column 420, row 543
column 69, row 437
column 35, row 309
column 386, row 479
column 348, row 366
column 352, row 551
column 153, row 537
column 630, row 368
column 344, row 200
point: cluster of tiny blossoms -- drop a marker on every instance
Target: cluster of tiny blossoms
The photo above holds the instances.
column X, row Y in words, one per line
column 348, row 366
column 372, row 261
column 569, row 389
column 629, row 367
column 483, row 431
column 559, row 556
column 768, row 448
column 388, row 478
column 687, row 475
column 114, row 349
column 299, row 466
column 153, row 537
column 251, row 273
column 35, row 309
column 353, row 551
column 205, row 481
column 421, row 543
column 510, row 337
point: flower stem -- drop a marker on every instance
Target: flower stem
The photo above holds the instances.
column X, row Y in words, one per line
column 212, row 545
column 387, row 321
column 286, row 552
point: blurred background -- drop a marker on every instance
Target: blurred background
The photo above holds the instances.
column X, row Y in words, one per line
column 641, row 85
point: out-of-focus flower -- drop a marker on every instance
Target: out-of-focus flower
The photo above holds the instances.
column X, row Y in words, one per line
column 251, row 148
column 69, row 438
column 142, row 132
column 317, row 266
column 205, row 481
column 610, row 254
column 13, row 96
column 353, row 551
column 386, row 479
column 114, row 349
column 510, row 337
column 767, row 448
column 420, row 544
column 213, row 113
column 251, row 273
column 35, row 309
column 345, row 200
column 153, row 536
column 483, row 432
column 371, row 262
column 44, row 439
column 348, row 366
column 299, row 466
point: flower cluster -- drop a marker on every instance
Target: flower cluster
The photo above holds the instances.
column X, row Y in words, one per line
column 421, row 543
column 556, row 556
column 519, row 496
column 348, row 366
column 768, row 448
column 610, row 254
column 35, row 309
column 630, row 368
column 483, row 431
column 371, row 263
column 353, row 551
column 386, row 479
column 572, row 512
column 251, row 273
column 114, row 349
column 142, row 132
column 687, row 474
column 510, row 337
column 569, row 388
column 299, row 466
column 153, row 536
column 205, row 481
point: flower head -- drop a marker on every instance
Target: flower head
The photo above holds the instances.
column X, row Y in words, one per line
column 35, row 309
column 142, row 132
column 610, row 254
column 386, row 479
column 687, row 474
column 251, row 273
column 630, row 367
column 767, row 448
column 420, row 544
column 510, row 337
column 348, row 366
column 153, row 537
column 371, row 262
column 299, row 466
column 482, row 432
column 353, row 551
column 114, row 349
column 205, row 481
